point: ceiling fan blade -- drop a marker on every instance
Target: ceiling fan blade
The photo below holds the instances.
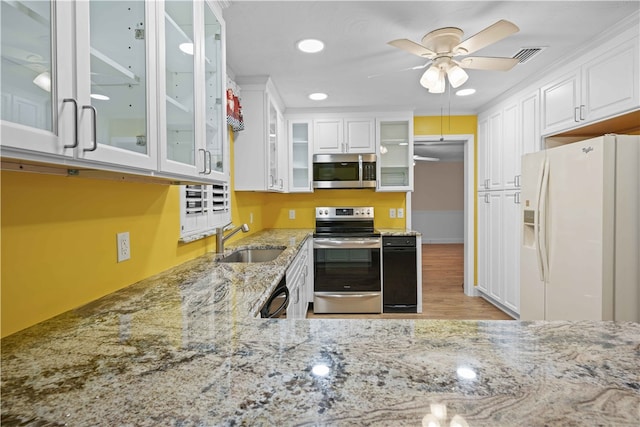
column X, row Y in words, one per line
column 489, row 35
column 412, row 47
column 417, row 67
column 487, row 63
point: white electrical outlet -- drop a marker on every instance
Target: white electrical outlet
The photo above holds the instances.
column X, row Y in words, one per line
column 292, row 214
column 124, row 247
column 400, row 213
column 392, row 213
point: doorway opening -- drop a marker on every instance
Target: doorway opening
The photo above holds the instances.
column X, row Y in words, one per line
column 447, row 224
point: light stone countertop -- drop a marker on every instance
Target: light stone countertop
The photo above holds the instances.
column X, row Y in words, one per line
column 182, row 348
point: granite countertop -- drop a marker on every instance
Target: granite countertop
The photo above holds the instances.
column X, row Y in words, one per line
column 183, row 348
column 398, row 232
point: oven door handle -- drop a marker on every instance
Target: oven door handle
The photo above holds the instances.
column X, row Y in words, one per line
column 348, row 295
column 346, row 244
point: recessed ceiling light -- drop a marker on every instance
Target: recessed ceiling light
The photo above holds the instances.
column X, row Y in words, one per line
column 310, row 45
column 318, row 96
column 465, row 92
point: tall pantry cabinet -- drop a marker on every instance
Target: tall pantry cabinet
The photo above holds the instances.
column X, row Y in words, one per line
column 505, row 133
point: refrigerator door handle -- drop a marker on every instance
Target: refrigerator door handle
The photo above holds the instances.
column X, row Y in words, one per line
column 542, row 220
column 536, row 224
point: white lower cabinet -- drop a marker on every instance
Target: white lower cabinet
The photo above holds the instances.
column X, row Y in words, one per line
column 299, row 280
column 498, row 248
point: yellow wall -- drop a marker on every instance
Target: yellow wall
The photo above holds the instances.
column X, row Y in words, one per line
column 275, row 206
column 58, row 234
column 455, row 125
column 59, row 241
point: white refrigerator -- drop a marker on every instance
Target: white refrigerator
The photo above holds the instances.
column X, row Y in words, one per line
column 580, row 252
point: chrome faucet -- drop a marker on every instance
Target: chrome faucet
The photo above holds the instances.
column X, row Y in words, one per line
column 221, row 238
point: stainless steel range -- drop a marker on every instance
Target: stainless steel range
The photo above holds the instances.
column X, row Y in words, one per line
column 346, row 250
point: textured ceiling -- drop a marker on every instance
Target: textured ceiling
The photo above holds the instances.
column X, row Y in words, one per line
column 261, row 39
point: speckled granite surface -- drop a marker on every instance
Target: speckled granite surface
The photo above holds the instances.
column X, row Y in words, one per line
column 182, row 348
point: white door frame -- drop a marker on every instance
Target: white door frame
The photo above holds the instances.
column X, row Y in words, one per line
column 469, row 204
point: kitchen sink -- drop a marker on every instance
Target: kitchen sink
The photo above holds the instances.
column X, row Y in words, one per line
column 253, row 255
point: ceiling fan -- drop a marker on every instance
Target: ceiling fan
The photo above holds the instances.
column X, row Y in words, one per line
column 442, row 45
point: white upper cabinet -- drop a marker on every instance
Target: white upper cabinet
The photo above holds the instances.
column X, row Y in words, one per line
column 606, row 84
column 394, row 138
column 260, row 150
column 511, row 146
column 39, row 109
column 483, row 152
column 300, row 156
column 611, row 82
column 137, row 86
column 115, row 50
column 344, row 135
column 192, row 130
column 529, row 126
column 561, row 103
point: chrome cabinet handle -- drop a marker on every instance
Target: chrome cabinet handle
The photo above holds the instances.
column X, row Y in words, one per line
column 210, row 163
column 576, row 112
column 75, row 120
column 486, row 198
column 94, row 119
column 516, row 199
column 582, row 112
column 204, row 160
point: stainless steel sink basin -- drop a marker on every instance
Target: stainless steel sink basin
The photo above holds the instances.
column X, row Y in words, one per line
column 253, row 255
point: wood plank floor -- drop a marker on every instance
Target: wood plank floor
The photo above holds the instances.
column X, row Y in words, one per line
column 442, row 293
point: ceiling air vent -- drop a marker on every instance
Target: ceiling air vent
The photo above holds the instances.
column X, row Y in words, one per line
column 526, row 53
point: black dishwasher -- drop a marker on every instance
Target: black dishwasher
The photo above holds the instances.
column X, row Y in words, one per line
column 399, row 274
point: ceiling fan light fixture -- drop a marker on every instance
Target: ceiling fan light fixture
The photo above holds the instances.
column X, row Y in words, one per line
column 438, row 86
column 430, row 77
column 457, row 76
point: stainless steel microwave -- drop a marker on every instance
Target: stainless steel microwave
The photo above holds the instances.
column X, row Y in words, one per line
column 344, row 171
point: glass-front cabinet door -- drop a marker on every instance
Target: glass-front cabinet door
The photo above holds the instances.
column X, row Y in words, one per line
column 215, row 105
column 126, row 86
column 116, row 80
column 38, row 108
column 395, row 154
column 179, row 138
column 300, row 156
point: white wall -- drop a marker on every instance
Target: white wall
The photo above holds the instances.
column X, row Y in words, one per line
column 438, row 202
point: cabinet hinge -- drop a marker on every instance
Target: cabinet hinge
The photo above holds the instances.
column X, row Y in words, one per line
column 139, row 34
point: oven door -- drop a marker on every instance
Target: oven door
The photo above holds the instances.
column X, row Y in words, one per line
column 347, row 275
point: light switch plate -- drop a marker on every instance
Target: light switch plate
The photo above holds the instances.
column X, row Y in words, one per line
column 400, row 213
column 392, row 213
column 292, row 214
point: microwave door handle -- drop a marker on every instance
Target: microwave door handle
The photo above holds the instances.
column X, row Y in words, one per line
column 360, row 170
